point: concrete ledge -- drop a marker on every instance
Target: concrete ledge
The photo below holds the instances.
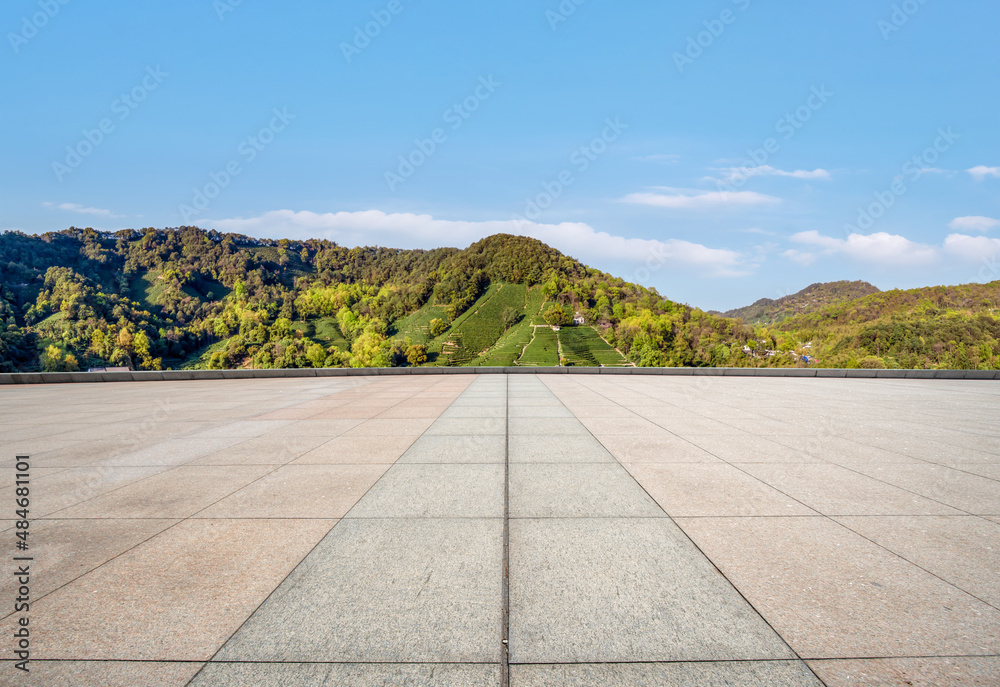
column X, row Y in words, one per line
column 204, row 375
column 982, row 374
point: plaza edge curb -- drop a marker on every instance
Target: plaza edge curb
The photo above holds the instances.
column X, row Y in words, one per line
column 204, row 375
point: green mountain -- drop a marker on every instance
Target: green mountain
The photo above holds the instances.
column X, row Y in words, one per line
column 186, row 297
column 810, row 299
column 951, row 327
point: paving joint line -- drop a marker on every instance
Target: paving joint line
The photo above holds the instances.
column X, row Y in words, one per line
column 505, row 589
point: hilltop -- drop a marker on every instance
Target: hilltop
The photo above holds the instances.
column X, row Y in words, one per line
column 810, row 299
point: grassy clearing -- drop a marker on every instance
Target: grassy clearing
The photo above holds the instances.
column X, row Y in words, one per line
column 417, row 325
column 199, row 360
column 150, row 291
column 583, row 346
column 326, row 332
column 543, row 351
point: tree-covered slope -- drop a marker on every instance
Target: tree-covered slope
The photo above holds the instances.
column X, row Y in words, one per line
column 939, row 326
column 188, row 297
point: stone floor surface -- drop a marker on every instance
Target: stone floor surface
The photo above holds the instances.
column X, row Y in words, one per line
column 517, row 530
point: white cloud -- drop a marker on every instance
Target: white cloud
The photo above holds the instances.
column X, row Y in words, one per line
column 408, row 230
column 972, row 248
column 980, row 172
column 887, row 250
column 83, row 210
column 974, row 223
column 730, row 174
column 700, row 200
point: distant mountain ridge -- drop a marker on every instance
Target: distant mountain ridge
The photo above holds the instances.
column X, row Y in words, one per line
column 810, row 299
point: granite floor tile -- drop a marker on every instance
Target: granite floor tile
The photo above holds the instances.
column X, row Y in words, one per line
column 263, row 451
column 970, row 493
column 64, row 488
column 456, row 449
column 177, row 493
column 973, row 671
column 435, row 491
column 140, row 606
column 833, row 490
column 704, row 674
column 393, row 590
column 583, row 448
column 655, row 447
column 624, row 590
column 748, row 448
column 299, row 491
column 566, row 490
column 354, row 674
column 963, row 550
column 110, row 673
column 463, row 426
column 709, row 489
column 381, row 428
column 63, row 550
column 832, row 594
column 373, row 450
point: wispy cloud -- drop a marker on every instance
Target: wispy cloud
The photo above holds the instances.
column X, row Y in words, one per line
column 81, row 209
column 730, row 174
column 883, row 249
column 407, row 230
column 980, row 172
column 700, row 200
column 974, row 223
column 972, row 248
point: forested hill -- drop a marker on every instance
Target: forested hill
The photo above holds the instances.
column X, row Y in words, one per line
column 955, row 327
column 154, row 299
column 810, row 299
column 187, row 297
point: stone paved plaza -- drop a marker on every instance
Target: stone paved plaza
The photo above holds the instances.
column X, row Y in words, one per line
column 656, row 530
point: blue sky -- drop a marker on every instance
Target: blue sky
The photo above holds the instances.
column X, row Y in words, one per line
column 720, row 151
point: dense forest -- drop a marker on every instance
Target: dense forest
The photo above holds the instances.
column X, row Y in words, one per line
column 186, row 297
column 154, row 299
